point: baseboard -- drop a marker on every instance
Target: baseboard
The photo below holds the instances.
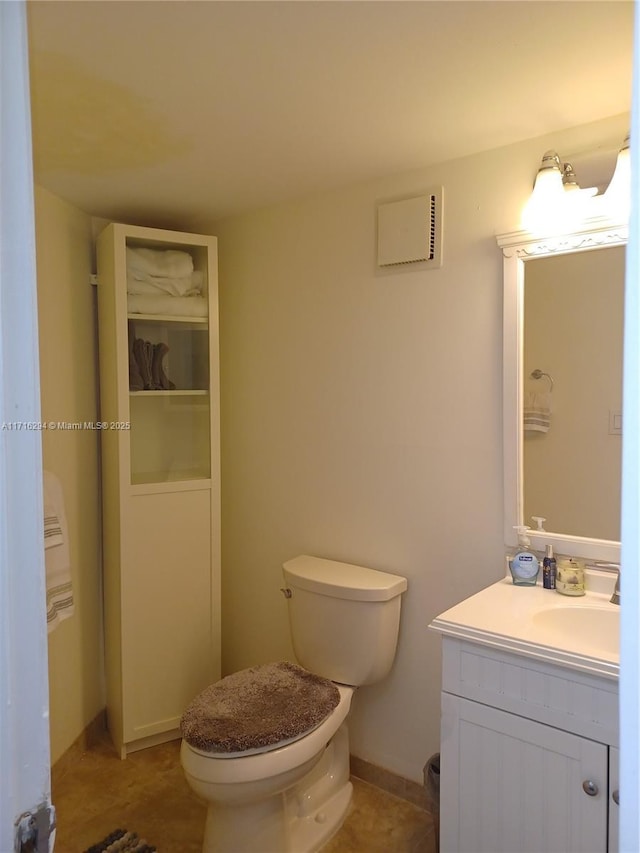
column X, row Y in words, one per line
column 150, row 740
column 390, row 782
column 92, row 734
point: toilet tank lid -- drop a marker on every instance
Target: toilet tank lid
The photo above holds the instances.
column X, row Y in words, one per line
column 342, row 580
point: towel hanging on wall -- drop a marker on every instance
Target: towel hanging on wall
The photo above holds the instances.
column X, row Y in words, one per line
column 56, row 553
column 536, row 412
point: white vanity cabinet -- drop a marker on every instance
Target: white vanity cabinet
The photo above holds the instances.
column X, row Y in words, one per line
column 528, row 754
column 160, row 490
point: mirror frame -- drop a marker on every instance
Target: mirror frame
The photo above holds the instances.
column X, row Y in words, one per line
column 518, row 247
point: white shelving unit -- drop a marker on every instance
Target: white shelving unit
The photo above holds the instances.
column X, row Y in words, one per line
column 161, row 498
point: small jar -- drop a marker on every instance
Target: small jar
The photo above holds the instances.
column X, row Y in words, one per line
column 570, row 576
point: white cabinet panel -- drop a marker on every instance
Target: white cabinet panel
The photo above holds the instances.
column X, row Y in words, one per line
column 166, row 609
column 574, row 701
column 511, row 785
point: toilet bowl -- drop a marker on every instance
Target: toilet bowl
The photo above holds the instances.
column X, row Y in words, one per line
column 291, row 797
column 271, row 794
column 260, row 769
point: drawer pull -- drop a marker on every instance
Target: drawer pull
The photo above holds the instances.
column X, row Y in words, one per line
column 590, row 788
column 616, row 797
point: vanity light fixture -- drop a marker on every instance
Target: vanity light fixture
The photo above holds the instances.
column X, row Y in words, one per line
column 547, row 196
column 558, row 203
column 571, row 185
column 617, row 196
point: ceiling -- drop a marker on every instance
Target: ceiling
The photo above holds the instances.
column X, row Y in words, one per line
column 164, row 112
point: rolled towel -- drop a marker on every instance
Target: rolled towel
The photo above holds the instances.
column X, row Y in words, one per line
column 141, row 355
column 169, row 263
column 160, row 378
column 536, row 412
column 148, row 357
column 178, row 306
column 152, row 285
column 136, row 383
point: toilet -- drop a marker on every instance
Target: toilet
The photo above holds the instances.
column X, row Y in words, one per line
column 267, row 748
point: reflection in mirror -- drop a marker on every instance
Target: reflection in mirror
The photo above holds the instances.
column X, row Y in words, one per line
column 573, row 328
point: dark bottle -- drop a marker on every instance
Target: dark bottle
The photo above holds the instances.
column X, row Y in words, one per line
column 549, row 569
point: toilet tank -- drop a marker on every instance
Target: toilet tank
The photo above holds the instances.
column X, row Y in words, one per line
column 344, row 619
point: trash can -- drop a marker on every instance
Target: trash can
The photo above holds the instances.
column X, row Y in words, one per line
column 432, row 787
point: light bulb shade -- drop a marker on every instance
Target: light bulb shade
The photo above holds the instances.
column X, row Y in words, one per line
column 547, row 197
column 569, row 180
column 571, row 185
column 617, row 197
column 558, row 204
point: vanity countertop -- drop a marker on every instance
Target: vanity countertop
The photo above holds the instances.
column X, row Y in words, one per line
column 581, row 633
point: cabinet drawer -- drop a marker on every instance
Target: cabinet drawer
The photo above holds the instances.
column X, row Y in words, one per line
column 557, row 696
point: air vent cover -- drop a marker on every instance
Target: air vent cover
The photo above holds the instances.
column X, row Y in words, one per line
column 410, row 232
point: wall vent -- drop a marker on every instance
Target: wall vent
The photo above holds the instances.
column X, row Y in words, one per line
column 410, row 232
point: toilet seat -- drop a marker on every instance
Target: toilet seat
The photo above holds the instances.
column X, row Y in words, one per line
column 257, row 710
column 214, row 768
column 257, row 750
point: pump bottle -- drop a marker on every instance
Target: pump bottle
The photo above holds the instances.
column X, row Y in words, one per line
column 524, row 565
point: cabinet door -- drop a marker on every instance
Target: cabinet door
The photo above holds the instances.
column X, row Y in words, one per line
column 511, row 785
column 614, row 797
column 167, row 604
column 170, row 431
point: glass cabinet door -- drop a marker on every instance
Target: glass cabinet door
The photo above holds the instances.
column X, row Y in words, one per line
column 169, row 404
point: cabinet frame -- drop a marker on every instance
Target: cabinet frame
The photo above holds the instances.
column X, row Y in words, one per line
column 124, row 554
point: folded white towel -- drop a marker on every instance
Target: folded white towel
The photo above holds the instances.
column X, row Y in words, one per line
column 536, row 412
column 178, row 306
column 169, row 263
column 56, row 555
column 153, row 285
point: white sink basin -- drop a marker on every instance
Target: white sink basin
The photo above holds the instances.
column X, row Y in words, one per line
column 580, row 633
column 597, row 629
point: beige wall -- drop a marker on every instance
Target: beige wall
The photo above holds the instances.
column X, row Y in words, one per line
column 361, row 416
column 68, row 360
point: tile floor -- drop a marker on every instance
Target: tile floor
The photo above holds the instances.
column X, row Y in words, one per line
column 147, row 794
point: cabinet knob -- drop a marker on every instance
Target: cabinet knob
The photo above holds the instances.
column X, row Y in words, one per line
column 616, row 797
column 590, row 788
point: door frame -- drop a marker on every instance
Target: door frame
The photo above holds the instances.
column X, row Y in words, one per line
column 24, row 687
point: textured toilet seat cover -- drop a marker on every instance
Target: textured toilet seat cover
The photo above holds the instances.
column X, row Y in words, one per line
column 258, row 708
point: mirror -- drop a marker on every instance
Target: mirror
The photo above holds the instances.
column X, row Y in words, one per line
column 563, row 315
column 573, row 330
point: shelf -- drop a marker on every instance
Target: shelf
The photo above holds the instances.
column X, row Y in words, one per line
column 168, row 318
column 176, row 392
column 193, row 475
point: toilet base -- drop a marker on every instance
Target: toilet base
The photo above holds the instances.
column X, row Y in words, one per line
column 308, row 834
column 298, row 820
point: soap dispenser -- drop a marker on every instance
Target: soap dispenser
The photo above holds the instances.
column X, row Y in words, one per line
column 524, row 565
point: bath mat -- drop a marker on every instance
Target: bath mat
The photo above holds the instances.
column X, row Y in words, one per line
column 121, row 841
column 258, row 707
